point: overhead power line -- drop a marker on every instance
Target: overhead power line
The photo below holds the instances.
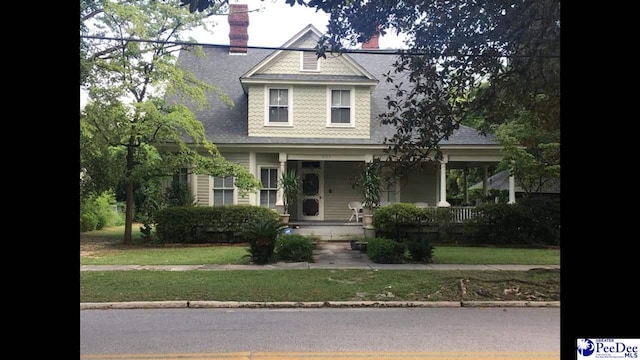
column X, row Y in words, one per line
column 277, row 48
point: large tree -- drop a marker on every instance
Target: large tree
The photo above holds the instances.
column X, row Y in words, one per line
column 129, row 50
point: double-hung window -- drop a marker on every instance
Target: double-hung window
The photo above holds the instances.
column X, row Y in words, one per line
column 181, row 176
column 269, row 179
column 222, row 190
column 341, row 108
column 278, row 106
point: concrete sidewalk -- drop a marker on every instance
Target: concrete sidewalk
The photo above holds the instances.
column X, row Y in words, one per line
column 329, row 255
column 307, row 265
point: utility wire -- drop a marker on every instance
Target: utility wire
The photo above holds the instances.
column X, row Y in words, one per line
column 348, row 51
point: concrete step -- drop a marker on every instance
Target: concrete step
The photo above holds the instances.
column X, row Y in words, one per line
column 330, row 232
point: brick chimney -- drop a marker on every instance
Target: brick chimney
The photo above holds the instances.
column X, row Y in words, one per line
column 372, row 43
column 238, row 24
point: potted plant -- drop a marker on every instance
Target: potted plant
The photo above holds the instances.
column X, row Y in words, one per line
column 370, row 182
column 291, row 188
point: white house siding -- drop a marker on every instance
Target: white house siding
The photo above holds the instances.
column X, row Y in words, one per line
column 310, row 114
column 241, row 158
column 204, row 186
column 338, row 191
column 267, row 158
column 420, row 187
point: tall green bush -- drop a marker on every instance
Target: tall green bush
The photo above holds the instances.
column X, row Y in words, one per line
column 97, row 212
column 533, row 221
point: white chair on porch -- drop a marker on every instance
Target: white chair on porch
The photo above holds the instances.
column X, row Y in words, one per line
column 356, row 208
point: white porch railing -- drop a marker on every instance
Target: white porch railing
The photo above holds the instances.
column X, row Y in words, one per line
column 462, row 213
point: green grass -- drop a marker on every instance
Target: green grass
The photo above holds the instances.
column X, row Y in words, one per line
column 219, row 255
column 234, row 254
column 319, row 285
column 308, row 284
column 115, row 233
column 495, row 256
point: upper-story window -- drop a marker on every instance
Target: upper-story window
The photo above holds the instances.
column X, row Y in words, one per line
column 341, row 108
column 279, row 106
column 309, row 61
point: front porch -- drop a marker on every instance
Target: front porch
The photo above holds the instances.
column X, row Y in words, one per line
column 352, row 230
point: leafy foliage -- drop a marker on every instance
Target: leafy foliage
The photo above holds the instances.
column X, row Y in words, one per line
column 262, row 235
column 128, row 82
column 369, row 180
column 489, row 59
column 291, row 187
column 385, row 251
column 293, row 248
column 96, row 212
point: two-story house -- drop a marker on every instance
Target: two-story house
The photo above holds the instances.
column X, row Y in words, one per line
column 315, row 116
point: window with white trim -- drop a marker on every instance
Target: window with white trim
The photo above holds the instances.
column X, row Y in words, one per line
column 309, row 61
column 269, row 179
column 279, row 106
column 340, row 113
column 222, row 190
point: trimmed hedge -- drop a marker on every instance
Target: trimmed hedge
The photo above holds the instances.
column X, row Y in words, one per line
column 203, row 224
column 385, row 251
column 294, row 248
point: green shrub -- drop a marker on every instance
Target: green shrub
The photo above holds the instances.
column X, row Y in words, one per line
column 206, row 224
column 97, row 212
column 385, row 251
column 533, row 221
column 420, row 250
column 179, row 194
column 261, row 235
column 294, row 248
column 88, row 221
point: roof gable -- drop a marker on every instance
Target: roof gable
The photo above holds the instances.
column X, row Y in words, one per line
column 285, row 63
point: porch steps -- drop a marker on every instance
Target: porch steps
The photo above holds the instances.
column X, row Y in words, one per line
column 329, row 231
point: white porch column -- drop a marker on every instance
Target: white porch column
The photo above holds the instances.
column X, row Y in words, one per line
column 485, row 180
column 253, row 197
column 512, row 189
column 443, row 182
column 466, row 191
column 280, row 193
column 193, row 185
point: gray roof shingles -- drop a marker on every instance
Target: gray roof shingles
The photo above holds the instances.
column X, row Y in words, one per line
column 228, row 125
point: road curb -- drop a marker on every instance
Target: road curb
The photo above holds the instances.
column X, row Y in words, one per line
column 316, row 304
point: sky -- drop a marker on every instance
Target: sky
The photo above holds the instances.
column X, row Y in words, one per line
column 271, row 24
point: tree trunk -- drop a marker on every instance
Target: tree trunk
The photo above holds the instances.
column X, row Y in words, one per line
column 128, row 220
